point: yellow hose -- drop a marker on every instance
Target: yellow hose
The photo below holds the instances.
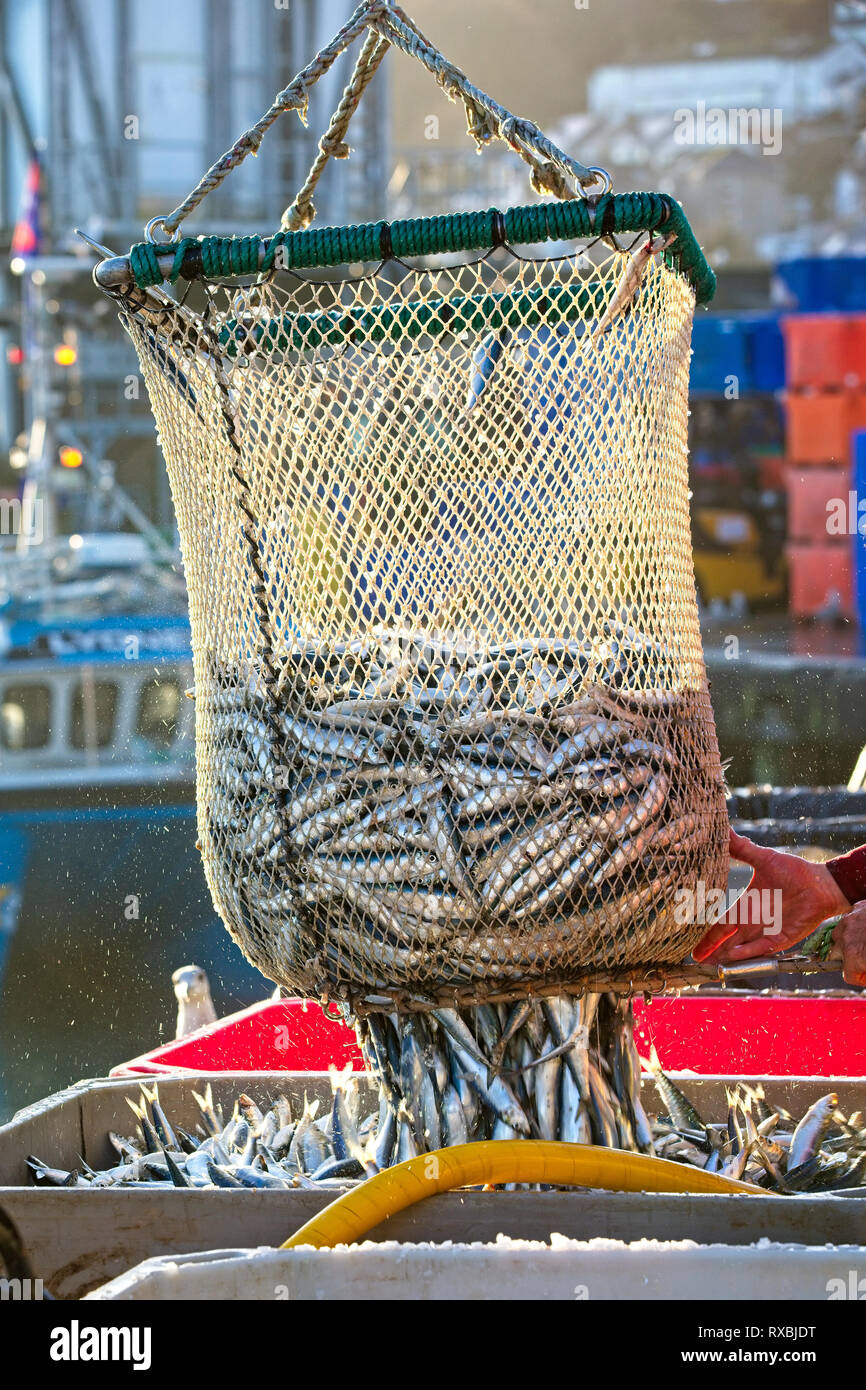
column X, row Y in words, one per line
column 506, row 1160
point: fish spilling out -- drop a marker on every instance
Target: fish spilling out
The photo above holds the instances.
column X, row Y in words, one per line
column 435, row 1093
column 252, row 1148
column 397, row 819
column 559, row 1068
column 822, row 1152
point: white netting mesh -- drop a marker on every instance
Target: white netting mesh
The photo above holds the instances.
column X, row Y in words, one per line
column 454, row 735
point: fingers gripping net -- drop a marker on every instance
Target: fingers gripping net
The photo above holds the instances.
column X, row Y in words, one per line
column 453, row 729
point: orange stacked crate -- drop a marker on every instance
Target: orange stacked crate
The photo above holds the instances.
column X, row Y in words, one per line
column 818, row 504
column 825, row 403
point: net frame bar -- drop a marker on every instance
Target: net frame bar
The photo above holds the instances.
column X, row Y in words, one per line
column 209, row 257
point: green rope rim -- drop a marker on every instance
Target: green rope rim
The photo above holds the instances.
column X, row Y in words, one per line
column 213, row 258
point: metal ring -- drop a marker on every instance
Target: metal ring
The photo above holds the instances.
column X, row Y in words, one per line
column 151, row 227
column 602, row 176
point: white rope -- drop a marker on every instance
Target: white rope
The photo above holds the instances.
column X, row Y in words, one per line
column 553, row 171
column 333, row 142
column 294, row 97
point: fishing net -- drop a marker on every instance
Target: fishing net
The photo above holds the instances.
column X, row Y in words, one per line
column 453, row 731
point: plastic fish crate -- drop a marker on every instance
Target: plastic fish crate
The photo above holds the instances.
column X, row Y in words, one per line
column 719, row 350
column 810, row 491
column 506, row 1270
column 824, row 282
column 748, row 347
column 819, row 425
column 825, row 350
column 767, row 348
column 820, row 577
column 79, row 1238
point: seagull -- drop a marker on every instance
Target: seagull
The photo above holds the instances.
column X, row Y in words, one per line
column 194, row 1005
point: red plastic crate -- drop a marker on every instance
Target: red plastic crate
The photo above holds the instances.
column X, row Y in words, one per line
column 809, row 491
column 755, row 1035
column 817, row 575
column 819, row 425
column 824, row 350
column 710, row 1035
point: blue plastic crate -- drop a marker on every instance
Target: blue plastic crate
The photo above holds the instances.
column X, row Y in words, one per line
column 767, row 352
column 825, row 282
column 720, row 353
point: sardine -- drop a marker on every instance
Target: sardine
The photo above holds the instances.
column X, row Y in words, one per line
column 681, row 1110
column 811, row 1130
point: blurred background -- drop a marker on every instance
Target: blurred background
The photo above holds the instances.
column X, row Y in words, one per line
column 749, row 112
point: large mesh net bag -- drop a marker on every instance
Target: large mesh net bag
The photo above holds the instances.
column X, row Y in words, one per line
column 453, row 730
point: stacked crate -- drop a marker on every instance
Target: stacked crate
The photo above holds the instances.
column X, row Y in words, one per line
column 825, row 405
column 858, row 549
column 736, row 444
column 739, row 351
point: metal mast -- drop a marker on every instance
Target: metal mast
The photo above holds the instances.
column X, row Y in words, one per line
column 125, row 114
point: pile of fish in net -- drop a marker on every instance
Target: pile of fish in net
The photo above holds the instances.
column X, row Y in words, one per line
column 400, row 819
column 823, row 1152
column 406, row 823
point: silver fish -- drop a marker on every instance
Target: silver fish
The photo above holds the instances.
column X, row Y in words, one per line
column 811, row 1129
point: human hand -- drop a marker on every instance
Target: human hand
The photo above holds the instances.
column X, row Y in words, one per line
column 787, row 898
column 849, row 945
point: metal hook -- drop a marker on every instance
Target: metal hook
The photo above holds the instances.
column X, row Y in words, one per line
column 327, row 1008
column 151, row 227
column 602, row 176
